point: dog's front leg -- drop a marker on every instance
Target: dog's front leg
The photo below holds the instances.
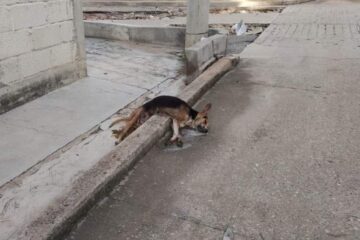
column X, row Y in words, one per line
column 175, row 126
column 176, row 133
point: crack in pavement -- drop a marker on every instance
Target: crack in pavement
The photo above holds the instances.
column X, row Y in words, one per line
column 199, row 222
column 292, row 88
column 180, row 216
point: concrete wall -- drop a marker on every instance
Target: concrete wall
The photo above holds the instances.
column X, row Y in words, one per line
column 41, row 48
column 170, row 36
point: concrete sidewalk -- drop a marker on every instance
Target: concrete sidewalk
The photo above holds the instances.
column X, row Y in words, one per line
column 119, row 73
column 281, row 160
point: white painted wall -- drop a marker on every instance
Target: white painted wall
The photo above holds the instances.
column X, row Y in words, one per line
column 37, row 36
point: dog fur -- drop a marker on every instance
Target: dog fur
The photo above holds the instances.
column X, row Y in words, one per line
column 178, row 110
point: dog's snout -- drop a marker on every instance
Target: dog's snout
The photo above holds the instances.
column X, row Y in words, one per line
column 202, row 129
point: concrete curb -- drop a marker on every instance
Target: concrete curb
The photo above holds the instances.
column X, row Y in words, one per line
column 89, row 187
column 202, row 54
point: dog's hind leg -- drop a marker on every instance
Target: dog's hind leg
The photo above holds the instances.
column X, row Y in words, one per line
column 131, row 124
column 116, row 133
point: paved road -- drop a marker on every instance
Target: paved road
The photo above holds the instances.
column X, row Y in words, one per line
column 281, row 160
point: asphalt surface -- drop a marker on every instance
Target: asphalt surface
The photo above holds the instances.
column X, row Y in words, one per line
column 281, row 160
column 279, row 163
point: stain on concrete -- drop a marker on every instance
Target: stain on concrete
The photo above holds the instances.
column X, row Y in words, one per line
column 44, row 83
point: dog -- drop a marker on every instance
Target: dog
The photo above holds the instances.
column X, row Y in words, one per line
column 179, row 111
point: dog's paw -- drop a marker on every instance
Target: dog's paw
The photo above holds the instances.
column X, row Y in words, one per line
column 114, row 131
column 117, row 134
column 179, row 143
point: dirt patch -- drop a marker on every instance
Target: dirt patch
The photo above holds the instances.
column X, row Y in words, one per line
column 166, row 13
column 156, row 15
column 246, row 10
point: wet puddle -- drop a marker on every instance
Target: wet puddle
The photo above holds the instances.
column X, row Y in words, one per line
column 188, row 136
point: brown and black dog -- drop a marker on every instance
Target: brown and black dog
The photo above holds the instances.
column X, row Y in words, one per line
column 180, row 112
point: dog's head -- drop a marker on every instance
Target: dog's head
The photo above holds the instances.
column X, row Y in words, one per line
column 201, row 122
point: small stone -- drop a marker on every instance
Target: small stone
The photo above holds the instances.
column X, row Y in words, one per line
column 228, row 234
column 179, row 143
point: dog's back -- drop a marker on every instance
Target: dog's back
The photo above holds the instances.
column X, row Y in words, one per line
column 164, row 102
column 169, row 105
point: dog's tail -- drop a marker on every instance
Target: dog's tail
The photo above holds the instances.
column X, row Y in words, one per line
column 124, row 119
column 131, row 122
column 117, row 121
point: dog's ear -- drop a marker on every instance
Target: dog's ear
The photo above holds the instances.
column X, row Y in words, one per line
column 206, row 108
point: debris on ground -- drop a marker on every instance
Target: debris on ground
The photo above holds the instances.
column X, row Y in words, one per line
column 163, row 13
column 228, row 234
column 239, row 28
column 244, row 10
column 250, row 28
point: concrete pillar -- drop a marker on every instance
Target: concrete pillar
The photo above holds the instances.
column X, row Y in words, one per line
column 197, row 24
column 80, row 39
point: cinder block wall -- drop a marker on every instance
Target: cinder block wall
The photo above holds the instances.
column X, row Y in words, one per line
column 41, row 48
